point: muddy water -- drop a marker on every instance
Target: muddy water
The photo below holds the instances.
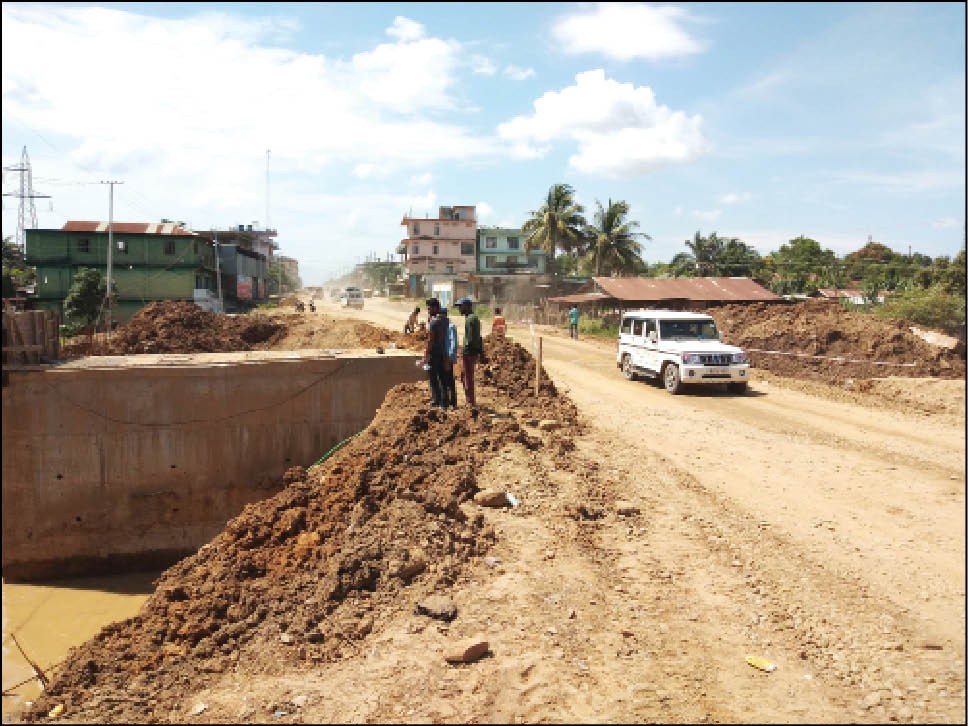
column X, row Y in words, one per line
column 46, row 619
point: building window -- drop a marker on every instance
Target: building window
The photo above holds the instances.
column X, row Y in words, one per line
column 123, row 246
column 467, row 248
column 169, row 246
column 84, row 245
column 195, row 246
column 488, row 261
column 436, row 250
column 514, row 243
column 416, row 250
column 450, row 268
column 416, row 227
column 436, row 230
column 491, row 243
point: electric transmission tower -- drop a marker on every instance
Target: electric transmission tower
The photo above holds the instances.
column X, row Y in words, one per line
column 27, row 213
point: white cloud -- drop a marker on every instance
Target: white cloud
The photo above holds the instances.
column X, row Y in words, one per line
column 947, row 223
column 484, row 211
column 708, row 215
column 735, row 198
column 422, row 179
column 482, row 65
column 406, row 30
column 619, row 128
column 627, row 30
column 369, row 171
column 516, row 73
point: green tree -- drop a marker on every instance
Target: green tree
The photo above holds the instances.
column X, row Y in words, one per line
column 738, row 259
column 278, row 280
column 85, row 298
column 612, row 241
column 556, row 224
column 951, row 274
column 935, row 308
column 795, row 266
column 683, row 265
column 705, row 252
column 14, row 264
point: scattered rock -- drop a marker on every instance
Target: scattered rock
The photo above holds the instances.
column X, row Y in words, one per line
column 468, row 653
column 437, row 606
column 491, row 498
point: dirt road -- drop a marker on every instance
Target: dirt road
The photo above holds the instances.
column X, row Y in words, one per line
column 658, row 542
column 825, row 535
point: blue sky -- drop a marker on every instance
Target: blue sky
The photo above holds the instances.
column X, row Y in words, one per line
column 331, row 121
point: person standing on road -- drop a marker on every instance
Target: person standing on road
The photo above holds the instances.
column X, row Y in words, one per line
column 433, row 358
column 473, row 350
column 450, row 360
column 573, row 321
column 499, row 325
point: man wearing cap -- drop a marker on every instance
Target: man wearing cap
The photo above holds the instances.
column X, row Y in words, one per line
column 473, row 349
column 433, row 357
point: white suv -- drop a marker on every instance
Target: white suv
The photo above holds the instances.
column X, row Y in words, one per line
column 679, row 349
column 351, row 297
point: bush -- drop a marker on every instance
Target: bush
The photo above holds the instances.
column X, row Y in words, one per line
column 932, row 307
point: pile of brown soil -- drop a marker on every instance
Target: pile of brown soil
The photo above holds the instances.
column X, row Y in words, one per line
column 304, row 576
column 823, row 341
column 173, row 326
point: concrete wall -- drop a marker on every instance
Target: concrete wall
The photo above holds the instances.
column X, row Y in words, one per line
column 135, row 465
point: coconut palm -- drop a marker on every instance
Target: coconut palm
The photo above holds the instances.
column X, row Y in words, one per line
column 613, row 247
column 556, row 224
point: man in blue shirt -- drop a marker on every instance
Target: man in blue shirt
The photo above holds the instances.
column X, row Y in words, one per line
column 450, row 360
column 573, row 321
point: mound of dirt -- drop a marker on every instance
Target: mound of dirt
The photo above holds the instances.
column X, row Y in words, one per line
column 302, row 577
column 823, row 341
column 172, row 326
column 308, row 330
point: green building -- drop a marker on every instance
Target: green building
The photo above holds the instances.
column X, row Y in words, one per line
column 162, row 261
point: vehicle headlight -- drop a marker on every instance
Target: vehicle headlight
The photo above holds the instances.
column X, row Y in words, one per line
column 740, row 358
column 691, row 359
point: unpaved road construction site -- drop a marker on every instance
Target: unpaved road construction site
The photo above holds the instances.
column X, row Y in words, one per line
column 652, row 544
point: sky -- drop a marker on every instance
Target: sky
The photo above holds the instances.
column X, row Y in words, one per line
column 329, row 122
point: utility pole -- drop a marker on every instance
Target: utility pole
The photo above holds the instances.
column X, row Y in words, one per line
column 110, row 296
column 26, row 192
column 218, row 276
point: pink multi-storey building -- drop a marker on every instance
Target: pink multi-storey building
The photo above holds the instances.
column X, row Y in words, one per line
column 439, row 251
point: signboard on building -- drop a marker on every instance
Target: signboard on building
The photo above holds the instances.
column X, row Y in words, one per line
column 243, row 287
column 444, row 292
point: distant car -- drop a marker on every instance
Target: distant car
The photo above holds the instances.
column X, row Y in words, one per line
column 679, row 349
column 351, row 297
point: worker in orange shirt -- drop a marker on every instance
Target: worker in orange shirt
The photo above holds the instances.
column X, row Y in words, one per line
column 499, row 325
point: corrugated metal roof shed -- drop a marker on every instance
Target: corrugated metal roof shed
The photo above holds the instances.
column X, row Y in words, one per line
column 127, row 227
column 694, row 289
column 580, row 297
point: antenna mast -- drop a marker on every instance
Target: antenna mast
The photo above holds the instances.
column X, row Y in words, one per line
column 26, row 192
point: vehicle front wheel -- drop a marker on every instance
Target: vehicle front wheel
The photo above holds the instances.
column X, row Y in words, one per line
column 671, row 379
column 736, row 387
column 627, row 369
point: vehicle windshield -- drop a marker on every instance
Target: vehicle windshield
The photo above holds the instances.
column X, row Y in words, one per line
column 688, row 330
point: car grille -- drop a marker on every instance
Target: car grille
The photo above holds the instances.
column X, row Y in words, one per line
column 716, row 359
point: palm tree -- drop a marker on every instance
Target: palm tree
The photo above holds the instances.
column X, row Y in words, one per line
column 705, row 253
column 557, row 224
column 613, row 245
